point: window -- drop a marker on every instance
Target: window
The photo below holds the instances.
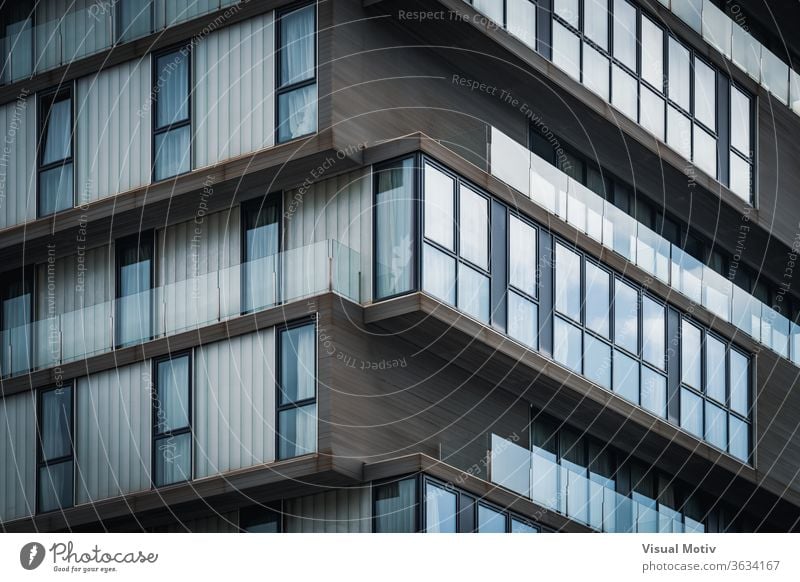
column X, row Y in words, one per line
column 172, row 129
column 705, row 94
column 440, row 509
column 595, row 18
column 455, row 257
column 523, row 311
column 172, row 421
column 297, row 391
column 519, row 526
column 135, row 272
column 741, row 154
column 653, row 332
column 625, row 33
column 296, row 73
column 626, row 377
column 56, row 449
column 396, row 506
column 654, row 392
column 15, row 322
column 56, row 181
column 568, row 282
column 595, row 71
column 626, row 316
column 490, row 520
column 715, row 392
column 597, row 309
column 521, row 21
column 652, row 54
column 597, row 361
column 260, row 247
column 394, row 228
column 679, row 75
column 566, row 50
column 134, row 19
column 567, row 344
column 258, row 519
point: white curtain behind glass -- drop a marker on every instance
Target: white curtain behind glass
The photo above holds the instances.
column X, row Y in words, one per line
column 394, row 220
column 297, row 38
column 173, row 392
column 58, row 139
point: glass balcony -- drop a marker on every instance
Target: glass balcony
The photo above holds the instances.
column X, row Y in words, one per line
column 620, row 232
column 181, row 306
column 579, row 494
column 87, row 28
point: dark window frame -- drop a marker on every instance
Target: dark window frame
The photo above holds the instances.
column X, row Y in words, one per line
column 416, row 226
column 44, row 103
column 511, row 288
column 455, row 254
column 418, row 493
column 281, row 89
column 186, row 50
column 155, row 434
column 246, row 208
column 146, row 238
column 701, row 391
column 297, row 404
column 41, row 462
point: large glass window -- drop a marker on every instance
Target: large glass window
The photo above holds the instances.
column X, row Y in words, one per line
column 56, row 181
column 297, row 391
column 595, row 18
column 567, row 344
column 55, row 473
column 741, row 154
column 172, row 131
column 714, row 402
column 296, row 87
column 394, row 229
column 522, row 256
column 626, row 316
column 625, row 33
column 396, row 506
column 172, row 421
column 652, row 54
column 456, row 266
column 16, row 331
column 680, row 67
column 568, row 282
column 261, row 226
column 521, row 20
column 626, row 377
column 653, row 332
column 135, row 270
column 705, row 94
column 598, row 285
column 440, row 509
column 490, row 520
column 134, row 19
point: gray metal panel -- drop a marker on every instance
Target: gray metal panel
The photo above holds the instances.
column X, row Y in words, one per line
column 336, row 209
column 234, row 385
column 113, row 433
column 233, row 98
column 338, row 511
column 17, row 456
column 18, row 162
column 113, row 131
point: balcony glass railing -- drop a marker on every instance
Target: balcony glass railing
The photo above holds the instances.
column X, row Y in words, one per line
column 579, row 494
column 720, row 31
column 591, row 214
column 181, row 306
column 86, row 28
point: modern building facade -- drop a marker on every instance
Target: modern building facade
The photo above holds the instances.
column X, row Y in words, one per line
column 382, row 266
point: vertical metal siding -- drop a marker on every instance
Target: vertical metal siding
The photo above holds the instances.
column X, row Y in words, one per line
column 18, row 162
column 113, row 131
column 234, row 94
column 113, row 435
column 234, row 386
column 338, row 209
column 198, row 270
column 17, row 456
column 339, row 511
column 171, row 12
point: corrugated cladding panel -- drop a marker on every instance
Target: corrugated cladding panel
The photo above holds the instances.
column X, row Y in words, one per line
column 339, row 511
column 235, row 403
column 18, row 162
column 17, row 456
column 113, row 436
column 338, row 209
column 234, row 91
column 113, row 131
